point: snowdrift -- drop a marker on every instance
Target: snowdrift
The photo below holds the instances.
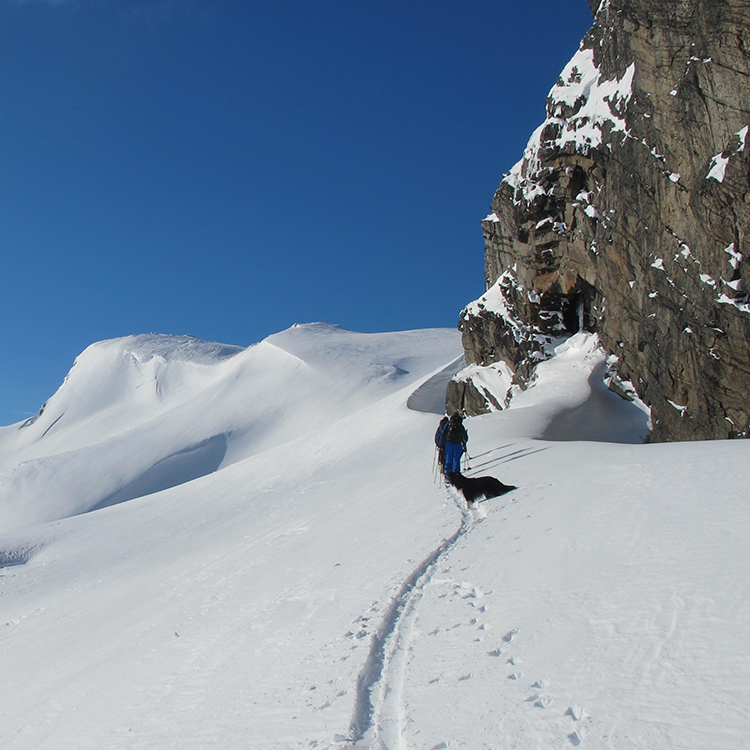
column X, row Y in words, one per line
column 207, row 546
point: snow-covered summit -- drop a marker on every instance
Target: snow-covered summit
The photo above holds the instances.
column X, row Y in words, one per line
column 175, row 348
column 114, row 371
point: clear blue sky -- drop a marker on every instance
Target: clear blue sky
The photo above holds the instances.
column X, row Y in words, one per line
column 226, row 168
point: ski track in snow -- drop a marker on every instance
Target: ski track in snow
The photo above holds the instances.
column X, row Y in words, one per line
column 378, row 716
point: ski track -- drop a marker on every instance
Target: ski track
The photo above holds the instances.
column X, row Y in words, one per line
column 377, row 719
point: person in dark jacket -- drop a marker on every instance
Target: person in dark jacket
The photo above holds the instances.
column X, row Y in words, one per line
column 455, row 439
column 440, row 441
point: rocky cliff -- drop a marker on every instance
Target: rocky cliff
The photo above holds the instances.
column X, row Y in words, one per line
column 628, row 215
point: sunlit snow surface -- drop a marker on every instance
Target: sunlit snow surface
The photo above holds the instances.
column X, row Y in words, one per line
column 317, row 587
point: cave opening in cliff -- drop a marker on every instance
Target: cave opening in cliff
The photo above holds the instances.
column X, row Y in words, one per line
column 576, row 312
column 566, row 314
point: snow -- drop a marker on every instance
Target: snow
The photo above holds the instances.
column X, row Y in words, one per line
column 740, row 304
column 735, row 257
column 603, row 7
column 599, row 103
column 494, row 381
column 718, row 169
column 320, row 588
column 742, row 134
column 739, row 298
column 681, row 409
column 493, row 301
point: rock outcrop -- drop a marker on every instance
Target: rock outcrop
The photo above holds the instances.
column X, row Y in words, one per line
column 629, row 215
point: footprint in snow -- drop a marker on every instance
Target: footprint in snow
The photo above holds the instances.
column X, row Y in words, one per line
column 575, row 738
column 575, row 713
column 539, row 701
column 468, row 591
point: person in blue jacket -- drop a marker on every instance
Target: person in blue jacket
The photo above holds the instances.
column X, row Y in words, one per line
column 454, row 439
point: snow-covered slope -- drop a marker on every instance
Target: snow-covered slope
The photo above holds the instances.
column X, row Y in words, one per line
column 317, row 586
column 143, row 413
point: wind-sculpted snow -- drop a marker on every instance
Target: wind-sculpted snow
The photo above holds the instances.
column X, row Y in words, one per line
column 322, row 589
column 430, row 396
column 184, row 466
column 19, row 552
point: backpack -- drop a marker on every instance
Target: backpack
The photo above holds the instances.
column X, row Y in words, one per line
column 455, row 432
column 440, row 433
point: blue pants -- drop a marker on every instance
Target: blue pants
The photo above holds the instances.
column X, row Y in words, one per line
column 453, row 452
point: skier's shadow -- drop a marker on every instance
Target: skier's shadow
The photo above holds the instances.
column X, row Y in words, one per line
column 503, row 459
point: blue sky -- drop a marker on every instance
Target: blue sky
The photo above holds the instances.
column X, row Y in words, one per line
column 227, row 168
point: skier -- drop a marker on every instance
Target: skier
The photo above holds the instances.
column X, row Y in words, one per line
column 455, row 439
column 440, row 441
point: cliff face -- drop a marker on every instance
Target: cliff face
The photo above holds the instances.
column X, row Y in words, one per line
column 628, row 215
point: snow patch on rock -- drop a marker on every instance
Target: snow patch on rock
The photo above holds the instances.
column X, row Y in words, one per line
column 582, row 109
